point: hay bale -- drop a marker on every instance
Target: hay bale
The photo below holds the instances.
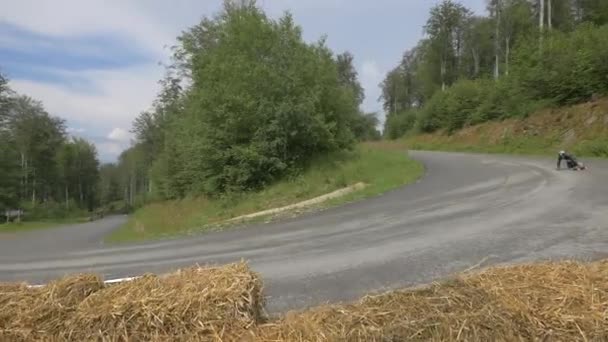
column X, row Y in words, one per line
column 441, row 312
column 195, row 303
column 33, row 313
column 565, row 301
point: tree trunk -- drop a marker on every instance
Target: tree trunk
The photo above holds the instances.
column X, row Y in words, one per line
column 395, row 99
column 549, row 15
column 475, row 62
column 458, row 53
column 497, row 44
column 541, row 24
column 81, row 195
column 507, row 53
column 443, row 67
column 541, row 15
column 34, row 191
column 23, row 185
column 67, row 198
column 132, row 190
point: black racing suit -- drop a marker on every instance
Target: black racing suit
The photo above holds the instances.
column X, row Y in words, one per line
column 571, row 162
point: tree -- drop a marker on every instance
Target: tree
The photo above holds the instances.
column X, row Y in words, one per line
column 445, row 28
column 39, row 165
column 517, row 22
column 78, row 168
column 66, row 164
column 262, row 102
column 402, row 88
column 594, row 11
column 5, row 93
column 9, row 173
column 38, row 137
column 348, row 77
column 109, row 188
column 479, row 44
column 365, row 127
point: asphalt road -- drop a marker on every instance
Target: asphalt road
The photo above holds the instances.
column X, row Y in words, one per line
column 467, row 210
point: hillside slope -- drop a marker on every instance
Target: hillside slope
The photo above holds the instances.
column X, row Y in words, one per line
column 582, row 129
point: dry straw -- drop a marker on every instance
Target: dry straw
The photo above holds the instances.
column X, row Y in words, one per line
column 565, row 301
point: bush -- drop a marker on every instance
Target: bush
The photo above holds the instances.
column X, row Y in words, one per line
column 453, row 108
column 433, row 116
column 594, row 148
column 398, row 124
column 51, row 210
column 570, row 68
column 461, row 102
column 263, row 102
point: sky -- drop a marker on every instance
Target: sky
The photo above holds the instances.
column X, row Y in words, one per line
column 96, row 63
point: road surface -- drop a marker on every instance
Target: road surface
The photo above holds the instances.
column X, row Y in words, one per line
column 466, row 210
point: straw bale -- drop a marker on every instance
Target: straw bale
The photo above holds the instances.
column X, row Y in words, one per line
column 195, row 303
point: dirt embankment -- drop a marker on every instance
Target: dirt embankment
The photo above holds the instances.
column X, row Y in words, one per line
column 582, row 129
column 565, row 301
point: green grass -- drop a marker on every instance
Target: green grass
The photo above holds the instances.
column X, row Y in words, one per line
column 523, row 146
column 14, row 227
column 383, row 166
column 515, row 145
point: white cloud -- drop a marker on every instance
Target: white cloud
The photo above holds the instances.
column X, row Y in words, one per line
column 112, row 98
column 71, row 18
column 98, row 100
column 119, row 135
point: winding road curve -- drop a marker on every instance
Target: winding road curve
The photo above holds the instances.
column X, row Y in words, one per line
column 466, row 210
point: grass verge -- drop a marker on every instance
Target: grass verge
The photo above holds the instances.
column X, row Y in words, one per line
column 564, row 301
column 382, row 166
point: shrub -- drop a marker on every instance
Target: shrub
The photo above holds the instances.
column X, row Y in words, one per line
column 398, row 124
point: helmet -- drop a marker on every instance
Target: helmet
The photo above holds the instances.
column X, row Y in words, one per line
column 562, row 153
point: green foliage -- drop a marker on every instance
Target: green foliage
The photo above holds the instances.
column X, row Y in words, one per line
column 398, row 124
column 462, row 99
column 41, row 170
column 9, row 173
column 381, row 165
column 262, row 103
column 570, row 68
column 595, row 11
column 348, row 76
column 364, row 127
column 431, row 117
column 78, row 170
column 594, row 148
column 564, row 66
column 51, row 210
column 5, row 93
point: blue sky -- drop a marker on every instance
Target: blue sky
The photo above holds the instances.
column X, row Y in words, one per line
column 96, row 63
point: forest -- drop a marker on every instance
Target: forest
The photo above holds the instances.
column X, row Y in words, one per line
column 246, row 101
column 525, row 55
column 43, row 171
